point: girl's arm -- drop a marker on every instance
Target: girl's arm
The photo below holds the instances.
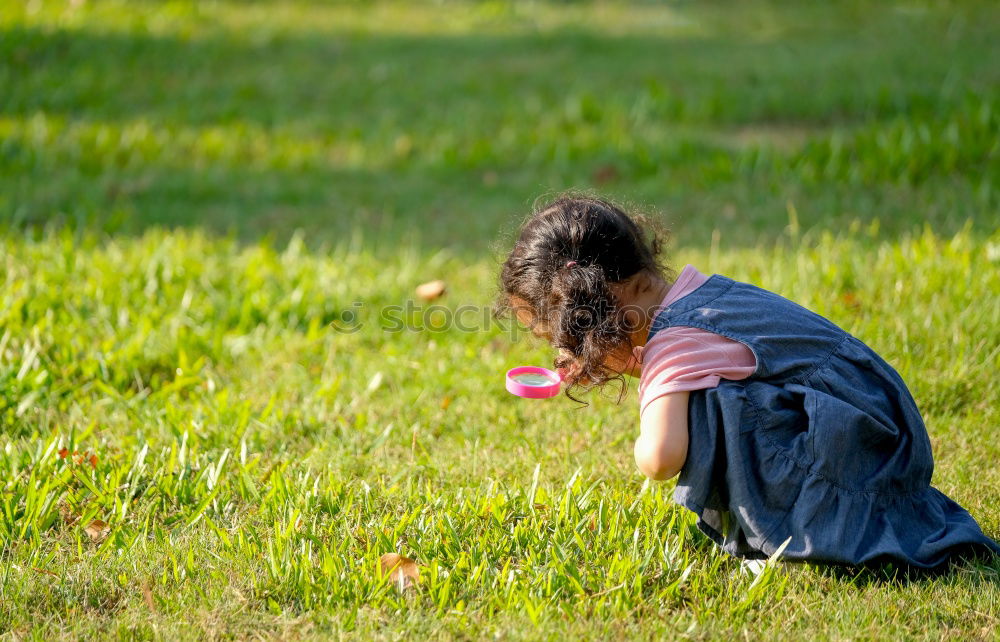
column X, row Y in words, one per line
column 661, row 449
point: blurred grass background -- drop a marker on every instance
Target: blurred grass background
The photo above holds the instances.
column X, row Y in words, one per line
column 441, row 121
column 193, row 193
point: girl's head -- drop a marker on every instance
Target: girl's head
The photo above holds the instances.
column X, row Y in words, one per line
column 576, row 265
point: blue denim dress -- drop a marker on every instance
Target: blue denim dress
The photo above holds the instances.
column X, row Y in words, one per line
column 823, row 444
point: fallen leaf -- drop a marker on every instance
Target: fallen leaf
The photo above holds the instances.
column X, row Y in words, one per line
column 68, row 515
column 605, row 174
column 147, row 596
column 850, row 300
column 399, row 570
column 78, row 457
column 97, row 530
column 430, row 290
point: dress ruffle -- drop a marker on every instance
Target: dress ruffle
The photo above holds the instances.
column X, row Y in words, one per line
column 757, row 475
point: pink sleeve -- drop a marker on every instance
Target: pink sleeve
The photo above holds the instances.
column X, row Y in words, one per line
column 683, row 358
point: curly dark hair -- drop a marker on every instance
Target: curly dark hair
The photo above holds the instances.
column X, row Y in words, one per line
column 568, row 255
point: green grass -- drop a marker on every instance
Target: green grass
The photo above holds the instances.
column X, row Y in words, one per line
column 195, row 196
column 257, row 118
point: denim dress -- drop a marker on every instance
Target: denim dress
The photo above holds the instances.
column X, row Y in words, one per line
column 822, row 444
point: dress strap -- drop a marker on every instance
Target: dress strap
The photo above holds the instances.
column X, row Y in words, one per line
column 710, row 290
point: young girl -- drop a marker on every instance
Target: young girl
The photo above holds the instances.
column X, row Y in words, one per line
column 780, row 424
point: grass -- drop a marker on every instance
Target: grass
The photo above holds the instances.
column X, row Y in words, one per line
column 266, row 118
column 207, row 208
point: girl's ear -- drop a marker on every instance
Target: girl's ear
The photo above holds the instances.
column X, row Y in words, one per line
column 649, row 280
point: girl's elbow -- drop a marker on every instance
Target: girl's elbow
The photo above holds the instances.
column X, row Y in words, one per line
column 658, row 463
column 658, row 471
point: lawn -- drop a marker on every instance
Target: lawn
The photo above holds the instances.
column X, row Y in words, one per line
column 212, row 219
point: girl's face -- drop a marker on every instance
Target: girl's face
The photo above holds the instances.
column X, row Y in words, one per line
column 621, row 360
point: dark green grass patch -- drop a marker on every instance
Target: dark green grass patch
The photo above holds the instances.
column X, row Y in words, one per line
column 444, row 120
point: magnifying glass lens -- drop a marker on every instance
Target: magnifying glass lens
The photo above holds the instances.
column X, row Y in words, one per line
column 532, row 382
column 531, row 379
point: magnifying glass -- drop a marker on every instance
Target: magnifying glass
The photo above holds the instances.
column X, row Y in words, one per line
column 533, row 382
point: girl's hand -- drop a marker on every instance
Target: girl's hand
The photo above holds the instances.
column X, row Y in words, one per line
column 568, row 372
column 624, row 361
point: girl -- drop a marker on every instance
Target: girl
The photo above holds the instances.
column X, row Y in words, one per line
column 780, row 424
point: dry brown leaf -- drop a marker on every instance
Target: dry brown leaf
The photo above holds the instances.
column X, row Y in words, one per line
column 68, row 514
column 147, row 596
column 430, row 290
column 79, row 458
column 97, row 530
column 850, row 300
column 399, row 570
column 605, row 174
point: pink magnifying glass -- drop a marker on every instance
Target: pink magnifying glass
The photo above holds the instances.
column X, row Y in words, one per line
column 532, row 382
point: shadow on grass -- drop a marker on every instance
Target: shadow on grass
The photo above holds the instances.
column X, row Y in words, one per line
column 973, row 567
column 445, row 140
